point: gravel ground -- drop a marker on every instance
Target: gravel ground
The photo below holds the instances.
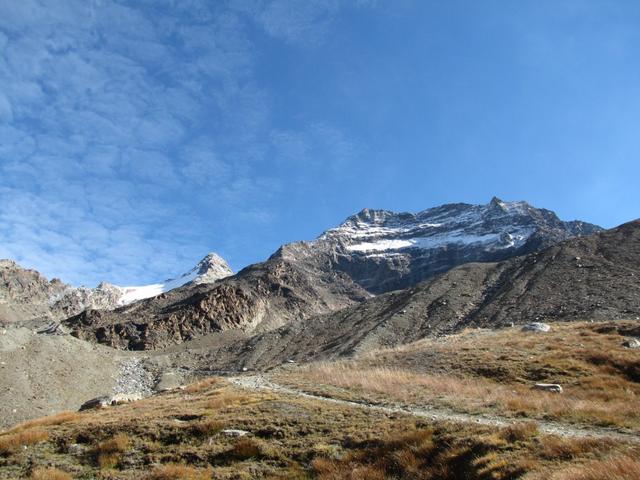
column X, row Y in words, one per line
column 134, row 378
column 45, row 374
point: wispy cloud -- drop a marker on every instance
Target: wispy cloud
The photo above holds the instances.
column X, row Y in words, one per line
column 131, row 132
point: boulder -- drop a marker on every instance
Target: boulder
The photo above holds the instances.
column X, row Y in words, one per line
column 98, row 402
column 234, row 433
column 548, row 387
column 631, row 343
column 53, row 329
column 109, row 401
column 168, row 381
column 121, row 398
column 536, row 327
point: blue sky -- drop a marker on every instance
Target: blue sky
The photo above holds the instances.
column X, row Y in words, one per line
column 135, row 137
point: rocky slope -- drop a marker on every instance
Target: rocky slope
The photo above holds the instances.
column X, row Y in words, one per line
column 594, row 277
column 27, row 296
column 36, row 372
column 371, row 252
column 25, row 293
column 260, row 297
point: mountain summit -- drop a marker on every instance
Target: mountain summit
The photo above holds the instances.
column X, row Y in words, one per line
column 383, row 250
column 208, row 270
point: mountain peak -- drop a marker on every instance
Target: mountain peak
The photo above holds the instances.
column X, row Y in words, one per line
column 208, row 270
column 496, row 203
column 370, row 215
column 211, row 268
column 383, row 250
column 6, row 263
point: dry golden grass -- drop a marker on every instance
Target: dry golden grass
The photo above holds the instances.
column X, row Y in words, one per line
column 50, row 474
column 519, row 432
column 208, row 427
column 245, row 448
column 10, row 443
column 173, row 436
column 489, row 371
column 179, row 472
column 202, row 385
column 435, row 454
column 108, row 452
column 616, row 468
column 57, row 419
column 117, row 444
column 226, row 399
column 333, row 470
column 566, row 449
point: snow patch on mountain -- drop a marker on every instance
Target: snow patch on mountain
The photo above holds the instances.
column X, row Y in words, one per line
column 383, row 250
column 490, row 241
column 497, row 225
column 210, row 269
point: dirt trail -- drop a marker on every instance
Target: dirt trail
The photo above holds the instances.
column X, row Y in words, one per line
column 260, row 382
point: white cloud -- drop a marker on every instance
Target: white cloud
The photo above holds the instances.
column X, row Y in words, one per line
column 304, row 21
column 118, row 122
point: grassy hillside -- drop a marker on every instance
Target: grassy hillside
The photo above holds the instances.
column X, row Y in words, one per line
column 492, row 371
column 181, row 436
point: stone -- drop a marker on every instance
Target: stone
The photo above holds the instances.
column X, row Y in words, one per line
column 76, row 449
column 548, row 387
column 109, row 401
column 234, row 433
column 168, row 381
column 536, row 327
column 631, row 343
column 122, row 398
column 98, row 402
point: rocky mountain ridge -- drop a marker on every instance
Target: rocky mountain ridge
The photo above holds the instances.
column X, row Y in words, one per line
column 371, row 252
column 587, row 278
column 258, row 298
column 26, row 295
column 383, row 250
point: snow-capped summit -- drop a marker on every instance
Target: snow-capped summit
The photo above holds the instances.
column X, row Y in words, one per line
column 495, row 226
column 208, row 270
column 211, row 268
column 383, row 250
column 25, row 295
